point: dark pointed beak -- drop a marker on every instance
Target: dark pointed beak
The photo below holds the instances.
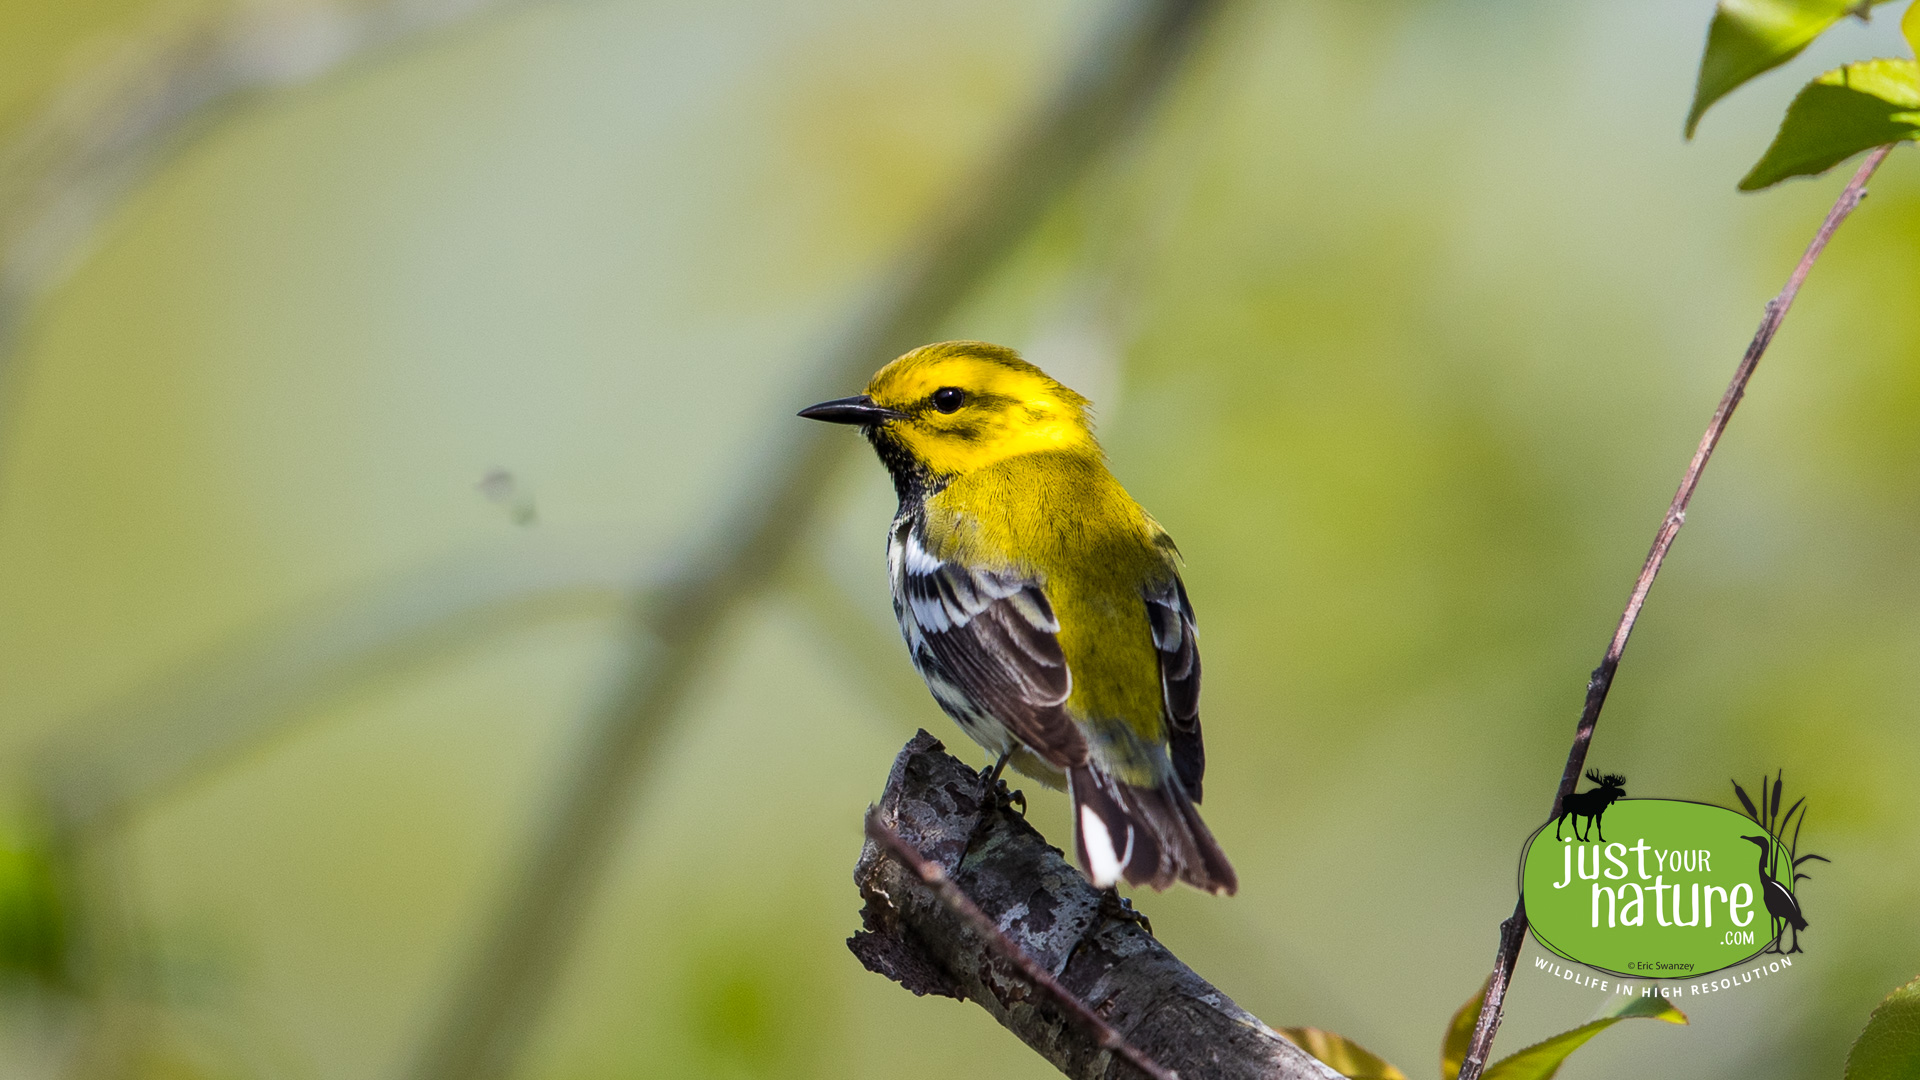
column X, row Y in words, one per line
column 851, row 410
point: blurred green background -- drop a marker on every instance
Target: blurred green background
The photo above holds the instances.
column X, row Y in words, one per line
column 1402, row 316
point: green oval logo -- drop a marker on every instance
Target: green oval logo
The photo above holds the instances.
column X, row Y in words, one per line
column 1657, row 889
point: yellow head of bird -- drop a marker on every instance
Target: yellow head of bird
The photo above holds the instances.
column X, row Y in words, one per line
column 963, row 405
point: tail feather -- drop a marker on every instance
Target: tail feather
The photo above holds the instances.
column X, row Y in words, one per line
column 1148, row 835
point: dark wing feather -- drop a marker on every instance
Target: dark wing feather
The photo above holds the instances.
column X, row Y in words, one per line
column 1177, row 641
column 986, row 642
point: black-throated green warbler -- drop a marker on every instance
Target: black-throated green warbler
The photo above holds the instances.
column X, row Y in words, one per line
column 1041, row 604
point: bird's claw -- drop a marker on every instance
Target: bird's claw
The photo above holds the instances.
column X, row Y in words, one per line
column 1120, row 909
column 1006, row 798
column 1003, row 797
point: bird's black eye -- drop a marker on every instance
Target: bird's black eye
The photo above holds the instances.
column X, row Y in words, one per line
column 949, row 399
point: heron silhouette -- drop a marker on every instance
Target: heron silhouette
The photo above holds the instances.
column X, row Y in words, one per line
column 1780, row 902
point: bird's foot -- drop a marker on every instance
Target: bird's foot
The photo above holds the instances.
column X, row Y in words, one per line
column 1000, row 799
column 1120, row 909
column 1008, row 798
column 1004, row 797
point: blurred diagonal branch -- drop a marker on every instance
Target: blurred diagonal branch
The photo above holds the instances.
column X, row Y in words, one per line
column 964, row 899
column 183, row 724
column 500, row 989
column 1513, row 930
column 65, row 170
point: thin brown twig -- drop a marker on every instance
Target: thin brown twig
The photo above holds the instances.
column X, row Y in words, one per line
column 1514, row 930
column 936, row 879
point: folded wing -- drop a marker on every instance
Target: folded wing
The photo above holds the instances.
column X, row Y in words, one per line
column 985, row 641
column 1177, row 642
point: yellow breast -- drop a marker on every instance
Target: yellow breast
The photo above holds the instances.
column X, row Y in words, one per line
column 1062, row 517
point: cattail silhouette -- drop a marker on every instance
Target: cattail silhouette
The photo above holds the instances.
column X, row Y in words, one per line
column 1781, row 903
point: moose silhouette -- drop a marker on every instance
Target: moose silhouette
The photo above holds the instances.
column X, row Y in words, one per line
column 1591, row 804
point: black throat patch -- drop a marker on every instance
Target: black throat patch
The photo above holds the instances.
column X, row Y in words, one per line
column 913, row 482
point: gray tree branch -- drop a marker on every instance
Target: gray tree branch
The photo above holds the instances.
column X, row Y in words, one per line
column 1093, row 949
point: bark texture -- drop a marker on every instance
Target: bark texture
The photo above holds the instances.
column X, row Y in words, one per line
column 1099, row 952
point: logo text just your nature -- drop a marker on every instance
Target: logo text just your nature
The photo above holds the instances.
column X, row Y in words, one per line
column 1627, row 904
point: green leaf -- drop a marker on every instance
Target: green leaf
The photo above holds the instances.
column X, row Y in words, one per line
column 1839, row 114
column 1749, row 37
column 1541, row 1060
column 32, row 926
column 1453, row 1049
column 1889, row 1047
column 1910, row 26
column 1342, row 1055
